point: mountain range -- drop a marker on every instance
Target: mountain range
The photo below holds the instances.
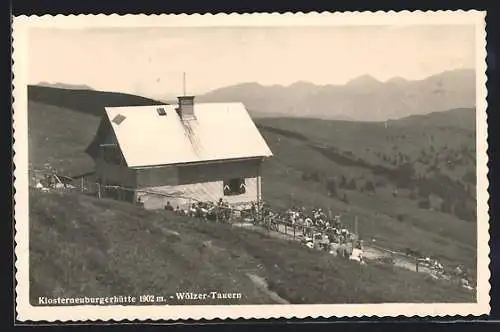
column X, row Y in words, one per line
column 361, row 99
column 65, row 86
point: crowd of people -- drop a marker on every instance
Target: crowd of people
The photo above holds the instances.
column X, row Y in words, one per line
column 306, row 221
column 315, row 228
column 218, row 211
column 319, row 230
column 312, row 221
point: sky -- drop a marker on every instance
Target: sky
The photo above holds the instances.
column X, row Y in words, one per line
column 151, row 61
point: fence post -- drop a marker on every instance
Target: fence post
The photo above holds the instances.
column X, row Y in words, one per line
column 83, row 184
column 294, row 231
column 98, row 190
column 356, row 226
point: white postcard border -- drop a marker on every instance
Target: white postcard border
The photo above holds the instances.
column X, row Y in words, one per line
column 27, row 312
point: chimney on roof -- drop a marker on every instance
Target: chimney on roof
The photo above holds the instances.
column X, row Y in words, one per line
column 186, row 107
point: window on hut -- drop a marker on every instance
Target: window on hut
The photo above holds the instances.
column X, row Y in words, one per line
column 161, row 111
column 118, row 119
column 234, row 187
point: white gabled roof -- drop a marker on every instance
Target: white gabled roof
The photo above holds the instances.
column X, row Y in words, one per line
column 220, row 131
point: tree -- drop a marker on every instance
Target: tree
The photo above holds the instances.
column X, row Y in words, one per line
column 351, row 184
column 369, row 186
column 315, row 176
column 464, row 212
column 424, row 203
column 305, row 177
column 331, row 187
column 413, row 195
column 344, row 199
column 446, row 206
column 469, row 176
column 380, row 183
column 343, row 182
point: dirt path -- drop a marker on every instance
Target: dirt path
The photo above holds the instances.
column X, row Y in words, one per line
column 261, row 284
column 372, row 253
column 369, row 252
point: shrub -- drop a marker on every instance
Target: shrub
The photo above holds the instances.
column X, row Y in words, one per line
column 469, row 176
column 464, row 211
column 413, row 195
column 315, row 176
column 446, row 206
column 343, row 182
column 369, row 186
column 424, row 203
column 331, row 187
column 344, row 199
column 311, row 176
column 352, row 184
column 380, row 183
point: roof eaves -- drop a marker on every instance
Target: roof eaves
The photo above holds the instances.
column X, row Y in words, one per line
column 197, row 162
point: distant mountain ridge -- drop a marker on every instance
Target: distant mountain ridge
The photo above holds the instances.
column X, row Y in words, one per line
column 362, row 99
column 65, row 86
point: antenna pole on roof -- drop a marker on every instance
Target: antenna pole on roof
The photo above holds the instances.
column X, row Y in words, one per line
column 184, row 83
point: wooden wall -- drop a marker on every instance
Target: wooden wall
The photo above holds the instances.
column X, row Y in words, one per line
column 115, row 174
column 202, row 182
column 190, row 174
column 154, row 177
column 206, row 191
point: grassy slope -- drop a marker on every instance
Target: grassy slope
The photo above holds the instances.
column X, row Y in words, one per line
column 433, row 233
column 85, row 101
column 409, row 136
column 82, row 246
column 59, row 136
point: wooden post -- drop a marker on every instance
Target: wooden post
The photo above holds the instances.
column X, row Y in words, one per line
column 83, row 184
column 294, row 231
column 285, row 229
column 356, row 226
column 98, row 190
